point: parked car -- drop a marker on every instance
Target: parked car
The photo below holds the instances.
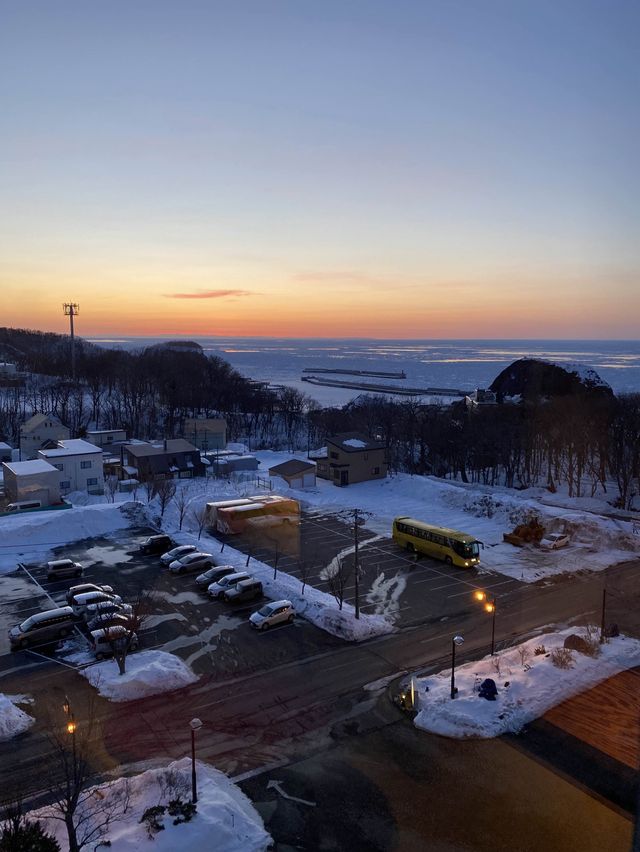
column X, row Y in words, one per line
column 60, row 569
column 243, row 590
column 217, row 589
column 275, row 612
column 86, row 587
column 108, row 619
column 191, row 562
column 156, row 544
column 81, row 602
column 213, row 575
column 177, row 552
column 42, row 627
column 108, row 608
column 552, row 541
column 102, row 641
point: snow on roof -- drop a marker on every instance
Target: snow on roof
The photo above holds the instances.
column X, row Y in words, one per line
column 71, row 447
column 354, row 442
column 25, row 468
column 4, row 446
column 291, row 467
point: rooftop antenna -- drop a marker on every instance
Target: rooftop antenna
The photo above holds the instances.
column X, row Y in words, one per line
column 71, row 309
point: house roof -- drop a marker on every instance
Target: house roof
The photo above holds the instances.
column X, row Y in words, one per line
column 25, row 468
column 354, row 442
column 71, row 447
column 37, row 420
column 291, row 467
column 174, row 445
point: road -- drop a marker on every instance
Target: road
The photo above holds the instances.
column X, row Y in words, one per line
column 278, row 714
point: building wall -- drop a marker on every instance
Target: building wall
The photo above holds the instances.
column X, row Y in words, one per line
column 41, row 486
column 78, row 471
column 362, row 466
column 31, row 442
column 105, row 439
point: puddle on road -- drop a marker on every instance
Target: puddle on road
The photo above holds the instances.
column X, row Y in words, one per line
column 154, row 620
column 181, row 597
column 107, row 555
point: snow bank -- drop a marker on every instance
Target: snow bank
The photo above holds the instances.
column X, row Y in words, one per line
column 225, row 820
column 13, row 721
column 147, row 673
column 535, row 685
column 31, row 536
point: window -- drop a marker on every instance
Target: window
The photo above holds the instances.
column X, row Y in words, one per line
column 92, row 481
column 376, row 471
column 59, row 466
column 334, row 455
column 85, row 464
column 65, row 484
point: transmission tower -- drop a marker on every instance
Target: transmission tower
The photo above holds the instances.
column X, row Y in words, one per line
column 71, row 309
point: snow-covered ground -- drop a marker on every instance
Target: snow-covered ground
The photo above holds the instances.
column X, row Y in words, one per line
column 146, row 673
column 13, row 720
column 225, row 819
column 528, row 684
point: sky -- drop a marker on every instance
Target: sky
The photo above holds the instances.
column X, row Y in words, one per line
column 349, row 168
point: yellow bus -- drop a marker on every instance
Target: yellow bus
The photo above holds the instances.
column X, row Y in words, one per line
column 452, row 546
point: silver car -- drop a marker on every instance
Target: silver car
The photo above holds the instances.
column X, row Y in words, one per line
column 217, row 590
column 275, row 612
column 192, row 562
column 177, row 553
column 42, row 627
column 82, row 602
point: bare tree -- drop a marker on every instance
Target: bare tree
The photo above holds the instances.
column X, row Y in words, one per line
column 111, row 488
column 123, row 637
column 85, row 813
column 338, row 581
column 182, row 500
column 305, row 571
column 165, row 492
column 150, row 488
column 200, row 517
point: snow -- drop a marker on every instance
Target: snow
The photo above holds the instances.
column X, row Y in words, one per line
column 534, row 686
column 354, row 442
column 28, row 468
column 585, row 373
column 30, row 537
column 225, row 820
column 13, row 721
column 147, row 673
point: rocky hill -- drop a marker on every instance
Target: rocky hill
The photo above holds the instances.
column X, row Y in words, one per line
column 532, row 378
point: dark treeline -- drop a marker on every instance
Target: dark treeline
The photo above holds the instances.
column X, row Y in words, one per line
column 587, row 443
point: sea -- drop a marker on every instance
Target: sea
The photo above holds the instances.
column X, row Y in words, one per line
column 460, row 364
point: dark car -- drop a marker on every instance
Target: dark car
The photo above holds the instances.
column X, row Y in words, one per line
column 156, row 544
column 245, row 590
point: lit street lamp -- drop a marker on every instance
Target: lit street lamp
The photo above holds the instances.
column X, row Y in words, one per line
column 195, row 725
column 490, row 607
column 71, row 725
column 457, row 640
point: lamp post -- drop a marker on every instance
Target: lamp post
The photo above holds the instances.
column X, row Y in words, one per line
column 195, row 725
column 71, row 726
column 490, row 607
column 456, row 640
column 603, row 616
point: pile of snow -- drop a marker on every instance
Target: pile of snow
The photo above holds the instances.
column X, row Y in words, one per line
column 225, row 819
column 13, row 721
column 30, row 536
column 147, row 673
column 535, row 685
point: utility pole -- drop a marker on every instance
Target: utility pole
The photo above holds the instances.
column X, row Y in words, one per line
column 356, row 523
column 72, row 309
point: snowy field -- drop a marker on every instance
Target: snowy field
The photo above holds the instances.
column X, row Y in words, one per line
column 528, row 681
column 13, row 720
column 225, row 820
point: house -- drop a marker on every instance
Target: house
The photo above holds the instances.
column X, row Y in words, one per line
column 297, row 473
column 105, row 438
column 79, row 463
column 40, row 431
column 206, row 433
column 351, row 457
column 31, row 480
column 5, row 452
column 167, row 459
column 226, row 463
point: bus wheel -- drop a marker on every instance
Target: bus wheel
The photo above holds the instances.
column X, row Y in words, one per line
column 410, row 547
column 448, row 560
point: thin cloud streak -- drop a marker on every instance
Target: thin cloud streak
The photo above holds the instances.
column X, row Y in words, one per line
column 210, row 294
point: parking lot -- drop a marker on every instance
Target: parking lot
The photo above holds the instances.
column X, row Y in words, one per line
column 392, row 582
column 212, row 637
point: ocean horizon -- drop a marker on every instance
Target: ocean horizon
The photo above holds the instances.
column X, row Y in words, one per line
column 464, row 364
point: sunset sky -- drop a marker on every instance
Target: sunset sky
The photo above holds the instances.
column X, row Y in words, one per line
column 345, row 168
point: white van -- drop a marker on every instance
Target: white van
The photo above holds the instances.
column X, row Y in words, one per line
column 23, row 505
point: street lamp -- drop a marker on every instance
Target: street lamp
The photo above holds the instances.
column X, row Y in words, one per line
column 490, row 607
column 457, row 640
column 71, row 725
column 195, row 725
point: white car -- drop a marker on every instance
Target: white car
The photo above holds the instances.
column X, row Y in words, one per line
column 275, row 612
column 177, row 553
column 81, row 603
column 552, row 541
column 217, row 590
column 95, row 610
column 103, row 642
column 192, row 562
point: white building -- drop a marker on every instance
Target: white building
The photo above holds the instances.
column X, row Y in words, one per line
column 80, row 465
column 31, row 480
column 39, row 431
column 6, row 453
column 106, row 437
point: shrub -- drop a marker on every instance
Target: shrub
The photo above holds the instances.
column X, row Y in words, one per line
column 152, row 818
column 539, row 650
column 182, row 811
column 562, row 658
column 20, row 834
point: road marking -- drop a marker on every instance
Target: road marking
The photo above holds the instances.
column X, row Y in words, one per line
column 276, row 785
